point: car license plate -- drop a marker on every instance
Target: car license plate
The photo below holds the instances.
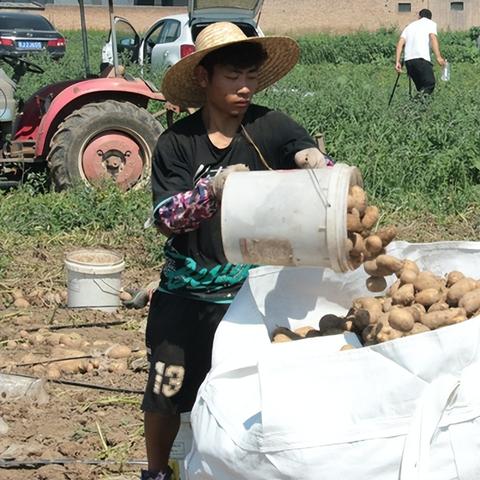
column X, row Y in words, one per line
column 29, row 45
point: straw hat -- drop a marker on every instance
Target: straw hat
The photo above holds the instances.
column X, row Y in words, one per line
column 180, row 85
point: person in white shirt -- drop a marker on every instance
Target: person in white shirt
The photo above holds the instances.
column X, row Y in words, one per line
column 417, row 38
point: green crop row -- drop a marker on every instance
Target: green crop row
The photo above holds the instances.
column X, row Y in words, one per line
column 418, row 155
column 379, row 47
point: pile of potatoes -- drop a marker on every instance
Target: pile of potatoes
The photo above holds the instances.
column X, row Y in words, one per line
column 362, row 243
column 418, row 301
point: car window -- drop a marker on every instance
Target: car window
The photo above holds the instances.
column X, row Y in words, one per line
column 154, row 35
column 170, row 31
column 127, row 39
column 27, row 22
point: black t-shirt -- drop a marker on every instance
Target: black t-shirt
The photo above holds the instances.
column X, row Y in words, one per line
column 195, row 265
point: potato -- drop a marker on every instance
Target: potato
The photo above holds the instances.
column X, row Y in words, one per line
column 459, row 289
column 407, row 276
column 354, row 223
column 302, row 331
column 436, row 307
column 428, row 297
column 329, row 331
column 53, row 372
column 118, row 366
column 372, row 306
column 348, row 245
column 387, row 304
column 442, row 318
column 418, row 328
column 348, row 326
column 393, row 288
column 410, row 265
column 371, row 267
column 330, row 321
column 376, row 284
column 281, row 338
column 73, row 340
column 362, row 319
column 347, row 346
column 359, row 198
column 401, row 319
column 417, row 310
column 125, row 296
column 404, row 295
column 370, row 218
column 284, row 332
column 387, row 234
column 355, row 260
column 350, row 203
column 373, row 244
column 426, row 280
column 369, row 334
column 470, row 301
column 390, row 263
column 386, row 333
column 71, row 366
column 118, row 351
column 453, row 277
column 358, row 244
column 21, row 303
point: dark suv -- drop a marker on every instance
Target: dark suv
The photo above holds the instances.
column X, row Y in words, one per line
column 22, row 33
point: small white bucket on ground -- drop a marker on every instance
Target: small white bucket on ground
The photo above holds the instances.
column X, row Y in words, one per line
column 288, row 217
column 94, row 279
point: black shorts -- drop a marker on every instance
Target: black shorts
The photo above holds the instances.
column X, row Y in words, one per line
column 179, row 340
column 421, row 72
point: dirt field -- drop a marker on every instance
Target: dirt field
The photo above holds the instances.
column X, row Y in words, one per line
column 88, row 432
column 75, row 423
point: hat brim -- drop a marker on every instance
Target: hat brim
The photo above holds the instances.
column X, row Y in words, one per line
column 180, row 85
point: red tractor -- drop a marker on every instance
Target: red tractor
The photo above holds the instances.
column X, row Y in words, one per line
column 84, row 130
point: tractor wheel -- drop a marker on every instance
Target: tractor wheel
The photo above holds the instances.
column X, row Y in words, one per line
column 101, row 141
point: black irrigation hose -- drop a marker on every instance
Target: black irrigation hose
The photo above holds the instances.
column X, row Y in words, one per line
column 79, row 325
column 36, row 463
column 86, row 385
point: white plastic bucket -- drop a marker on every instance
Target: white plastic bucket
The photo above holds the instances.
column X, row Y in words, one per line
column 288, row 217
column 94, row 279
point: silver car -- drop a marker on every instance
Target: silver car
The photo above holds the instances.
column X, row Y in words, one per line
column 172, row 38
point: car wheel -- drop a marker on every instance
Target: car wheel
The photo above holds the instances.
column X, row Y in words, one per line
column 104, row 141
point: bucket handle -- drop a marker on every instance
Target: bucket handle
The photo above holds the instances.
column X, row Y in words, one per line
column 316, row 185
column 97, row 283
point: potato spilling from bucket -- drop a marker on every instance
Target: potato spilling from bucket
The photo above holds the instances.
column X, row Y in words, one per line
column 363, row 243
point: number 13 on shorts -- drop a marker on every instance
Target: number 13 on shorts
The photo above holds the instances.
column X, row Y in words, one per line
column 168, row 379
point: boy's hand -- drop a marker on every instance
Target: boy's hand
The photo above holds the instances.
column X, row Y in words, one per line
column 310, row 158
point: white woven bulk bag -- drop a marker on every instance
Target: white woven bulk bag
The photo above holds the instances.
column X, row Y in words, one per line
column 408, row 409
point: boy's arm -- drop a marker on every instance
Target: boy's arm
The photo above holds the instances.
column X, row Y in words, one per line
column 183, row 212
